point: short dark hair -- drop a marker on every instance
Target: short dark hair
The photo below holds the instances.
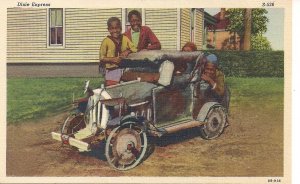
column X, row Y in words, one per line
column 134, row 12
column 112, row 19
column 191, row 45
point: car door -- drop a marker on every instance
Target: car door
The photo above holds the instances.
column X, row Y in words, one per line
column 172, row 105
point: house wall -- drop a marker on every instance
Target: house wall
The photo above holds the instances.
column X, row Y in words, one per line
column 84, row 30
column 163, row 22
column 27, row 35
column 199, row 28
column 224, row 40
column 185, row 27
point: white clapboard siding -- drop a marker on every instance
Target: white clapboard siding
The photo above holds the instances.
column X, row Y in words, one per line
column 86, row 28
column 185, row 34
column 163, row 22
column 199, row 28
column 26, row 28
column 84, row 31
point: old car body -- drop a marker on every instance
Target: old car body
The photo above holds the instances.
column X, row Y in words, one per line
column 153, row 99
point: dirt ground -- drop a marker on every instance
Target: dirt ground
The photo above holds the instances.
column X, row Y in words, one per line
column 251, row 146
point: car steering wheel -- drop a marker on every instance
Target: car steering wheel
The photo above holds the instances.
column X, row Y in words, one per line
column 197, row 66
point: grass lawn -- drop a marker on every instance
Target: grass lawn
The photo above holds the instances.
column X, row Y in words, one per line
column 260, row 93
column 34, row 98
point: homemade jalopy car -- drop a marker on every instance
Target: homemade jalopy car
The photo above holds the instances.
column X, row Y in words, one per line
column 157, row 96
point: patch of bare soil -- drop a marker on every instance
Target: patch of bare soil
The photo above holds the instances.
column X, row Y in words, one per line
column 251, row 146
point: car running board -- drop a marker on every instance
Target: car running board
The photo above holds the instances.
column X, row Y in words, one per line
column 182, row 126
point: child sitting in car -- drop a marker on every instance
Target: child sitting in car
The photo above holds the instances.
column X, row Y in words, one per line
column 213, row 75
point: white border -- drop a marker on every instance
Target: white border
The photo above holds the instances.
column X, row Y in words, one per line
column 296, row 94
column 155, row 4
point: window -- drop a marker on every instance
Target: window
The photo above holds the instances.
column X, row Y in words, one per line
column 56, row 29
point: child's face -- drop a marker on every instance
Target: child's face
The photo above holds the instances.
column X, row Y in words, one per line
column 210, row 70
column 114, row 29
column 135, row 23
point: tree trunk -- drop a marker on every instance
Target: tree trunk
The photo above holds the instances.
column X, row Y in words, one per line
column 241, row 42
column 247, row 34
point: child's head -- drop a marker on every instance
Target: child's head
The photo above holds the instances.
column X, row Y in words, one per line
column 211, row 65
column 135, row 20
column 189, row 47
column 114, row 27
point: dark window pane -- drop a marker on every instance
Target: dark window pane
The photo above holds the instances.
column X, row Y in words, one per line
column 53, row 36
column 59, row 35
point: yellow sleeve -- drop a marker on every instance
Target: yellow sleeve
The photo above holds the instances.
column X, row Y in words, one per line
column 107, row 50
column 103, row 49
column 128, row 45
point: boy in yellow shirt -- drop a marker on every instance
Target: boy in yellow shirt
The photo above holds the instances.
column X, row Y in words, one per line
column 113, row 49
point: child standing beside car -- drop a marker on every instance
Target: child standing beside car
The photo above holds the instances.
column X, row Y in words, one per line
column 142, row 36
column 113, row 48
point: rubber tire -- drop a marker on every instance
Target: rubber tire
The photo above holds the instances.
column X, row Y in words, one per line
column 215, row 123
column 137, row 161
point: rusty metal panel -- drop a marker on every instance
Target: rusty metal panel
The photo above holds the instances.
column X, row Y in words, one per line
column 172, row 105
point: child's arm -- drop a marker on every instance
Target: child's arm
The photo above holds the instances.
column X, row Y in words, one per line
column 154, row 42
column 103, row 54
column 129, row 48
column 125, row 53
column 110, row 60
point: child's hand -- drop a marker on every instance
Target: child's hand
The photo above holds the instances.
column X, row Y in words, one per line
column 117, row 60
column 207, row 79
column 125, row 53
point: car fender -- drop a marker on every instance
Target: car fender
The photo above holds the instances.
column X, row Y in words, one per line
column 205, row 109
column 132, row 119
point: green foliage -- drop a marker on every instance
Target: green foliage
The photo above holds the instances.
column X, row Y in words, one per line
column 33, row 98
column 260, row 42
column 236, row 17
column 260, row 93
column 251, row 63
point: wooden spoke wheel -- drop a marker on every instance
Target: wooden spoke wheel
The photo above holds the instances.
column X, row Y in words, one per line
column 73, row 124
column 215, row 123
column 126, row 147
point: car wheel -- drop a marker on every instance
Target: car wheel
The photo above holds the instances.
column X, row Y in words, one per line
column 73, row 124
column 215, row 123
column 126, row 147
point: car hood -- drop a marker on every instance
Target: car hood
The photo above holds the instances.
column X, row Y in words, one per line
column 133, row 91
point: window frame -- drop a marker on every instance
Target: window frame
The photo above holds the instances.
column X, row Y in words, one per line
column 193, row 25
column 49, row 45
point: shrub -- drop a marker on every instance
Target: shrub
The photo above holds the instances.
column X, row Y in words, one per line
column 251, row 63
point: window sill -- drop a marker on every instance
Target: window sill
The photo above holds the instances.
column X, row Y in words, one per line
column 56, row 47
